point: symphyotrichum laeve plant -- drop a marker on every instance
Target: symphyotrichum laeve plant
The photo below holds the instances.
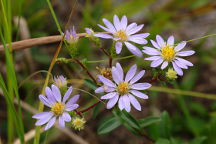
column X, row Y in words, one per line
column 107, row 72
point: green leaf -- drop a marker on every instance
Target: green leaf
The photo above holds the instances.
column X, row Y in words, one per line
column 148, row 121
column 91, row 84
column 108, row 125
column 127, row 117
column 198, row 140
column 165, row 125
column 162, row 141
column 96, row 110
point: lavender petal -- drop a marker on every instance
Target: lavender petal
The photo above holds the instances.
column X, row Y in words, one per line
column 134, row 102
column 130, row 74
column 137, row 77
column 139, row 94
column 133, row 49
column 50, row 123
column 118, row 47
column 112, row 102
column 67, row 94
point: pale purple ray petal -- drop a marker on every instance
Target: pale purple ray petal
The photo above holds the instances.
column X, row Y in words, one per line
column 118, row 47
column 42, row 115
column 170, row 41
column 181, row 65
column 137, row 77
column 141, row 35
column 109, row 25
column 109, row 95
column 99, row 90
column 152, row 58
column 120, row 70
column 103, row 35
column 177, row 69
column 150, row 51
column 50, row 96
column 184, row 61
column 73, row 100
column 66, row 117
column 133, row 49
column 160, row 41
column 121, row 103
column 185, row 53
column 112, row 102
column 56, row 93
column 117, row 22
column 156, row 63
column 130, row 26
column 67, row 94
column 135, row 29
column 134, row 102
column 138, row 40
column 126, row 101
column 141, row 86
column 124, row 22
column 106, row 81
column 45, row 100
column 50, row 123
column 71, row 107
column 180, row 46
column 106, row 29
column 130, row 74
column 44, row 120
column 115, row 75
column 155, row 44
column 139, row 94
column 61, row 122
column 164, row 65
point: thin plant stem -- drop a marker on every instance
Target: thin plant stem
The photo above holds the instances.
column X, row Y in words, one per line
column 108, row 55
column 183, row 92
column 54, row 16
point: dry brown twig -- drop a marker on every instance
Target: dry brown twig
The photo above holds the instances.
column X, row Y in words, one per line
column 19, row 45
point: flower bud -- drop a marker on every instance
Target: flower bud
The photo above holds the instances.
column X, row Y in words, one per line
column 171, row 74
column 61, row 83
column 72, row 39
column 78, row 123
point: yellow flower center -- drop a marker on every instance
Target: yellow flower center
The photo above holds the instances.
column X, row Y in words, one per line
column 168, row 53
column 122, row 35
column 123, row 88
column 58, row 108
column 71, row 37
column 106, row 72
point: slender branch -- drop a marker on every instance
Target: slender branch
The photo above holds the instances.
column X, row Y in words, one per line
column 87, row 109
column 84, row 68
column 108, row 55
column 19, row 45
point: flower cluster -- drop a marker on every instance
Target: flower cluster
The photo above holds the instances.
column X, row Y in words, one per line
column 118, row 89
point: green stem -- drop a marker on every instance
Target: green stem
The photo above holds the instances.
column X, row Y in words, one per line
column 183, row 92
column 54, row 16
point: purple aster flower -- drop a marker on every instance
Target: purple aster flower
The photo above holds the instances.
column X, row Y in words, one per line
column 71, row 35
column 59, row 107
column 123, row 90
column 124, row 33
column 60, row 81
column 166, row 52
column 89, row 31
